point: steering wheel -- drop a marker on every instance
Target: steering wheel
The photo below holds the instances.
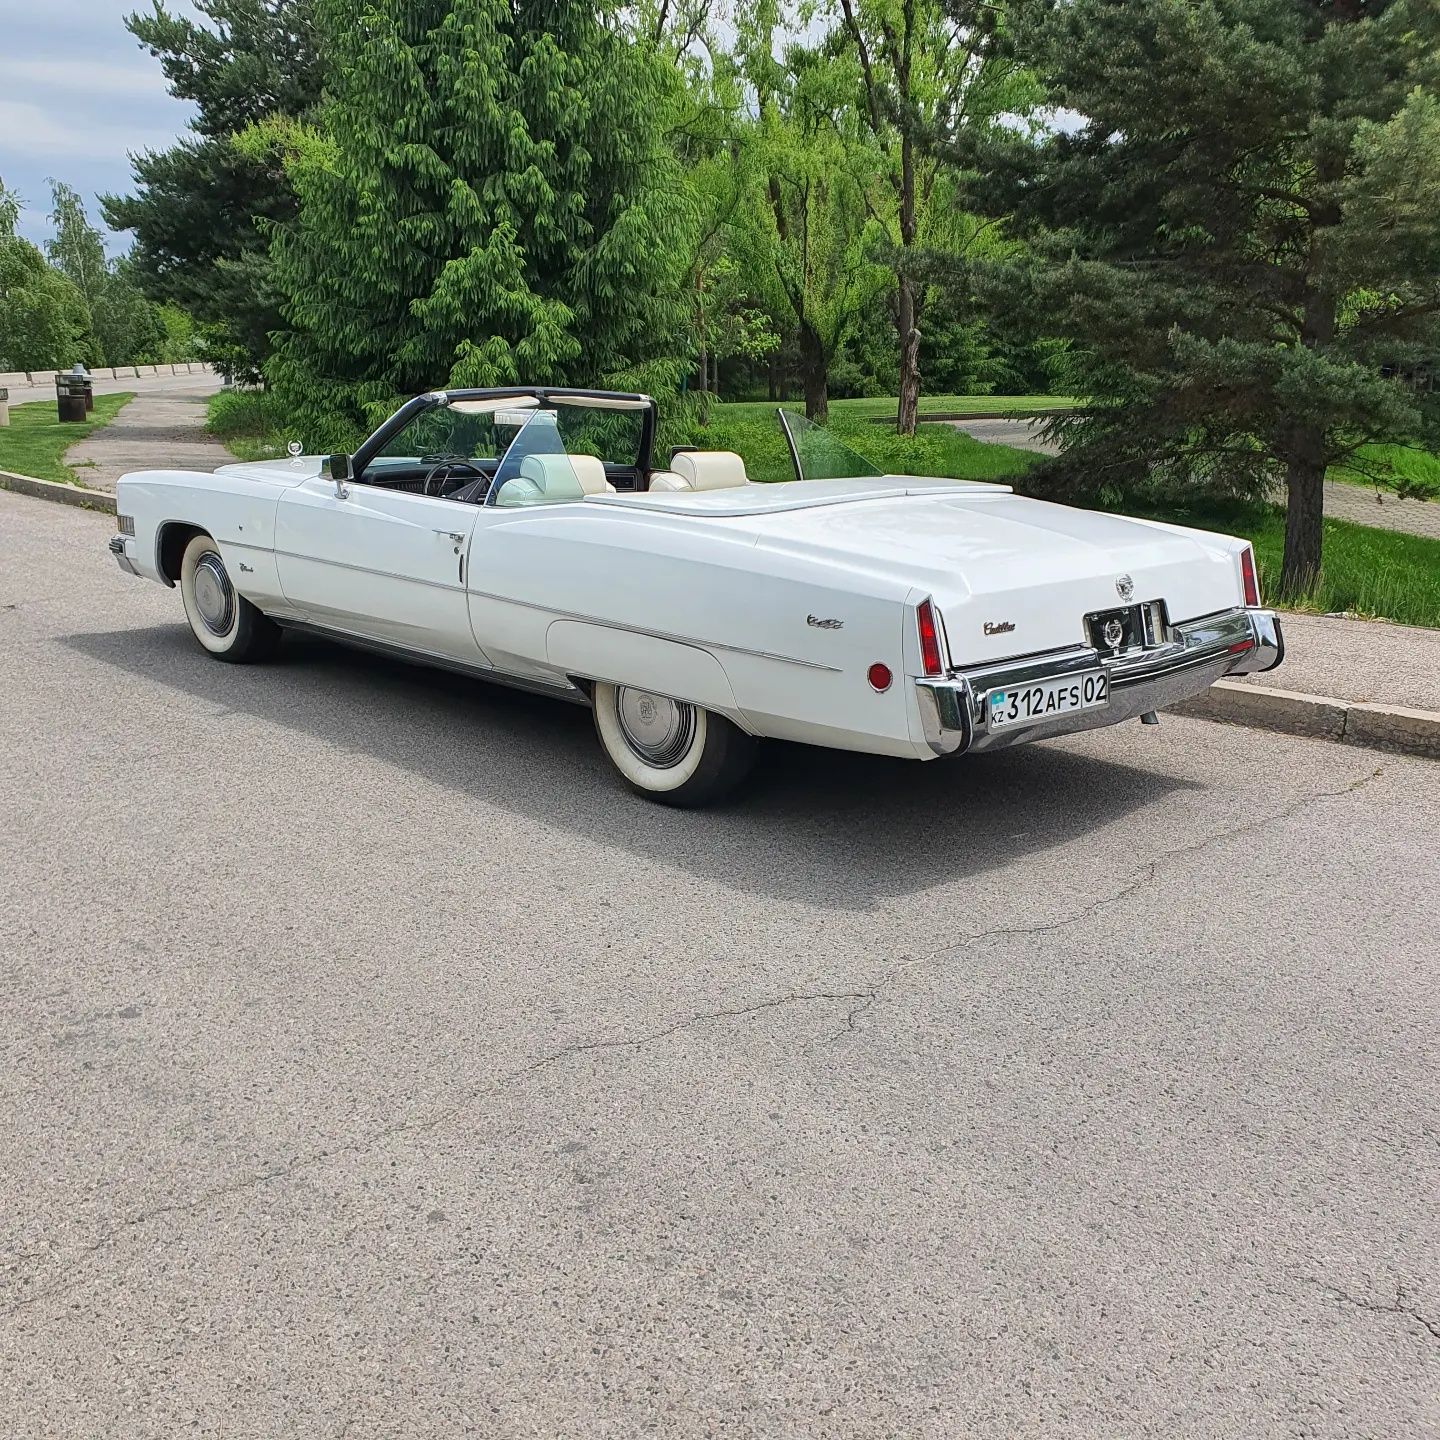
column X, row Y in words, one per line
column 447, row 464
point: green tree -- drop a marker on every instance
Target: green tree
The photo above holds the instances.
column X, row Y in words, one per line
column 808, row 237
column 1242, row 240
column 42, row 315
column 198, row 207
column 487, row 199
column 932, row 80
column 121, row 326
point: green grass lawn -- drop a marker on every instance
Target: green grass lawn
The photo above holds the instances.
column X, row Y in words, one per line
column 754, row 434
column 35, row 440
column 1369, row 571
column 883, row 406
column 1391, row 467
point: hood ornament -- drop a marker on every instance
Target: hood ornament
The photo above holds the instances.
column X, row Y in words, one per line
column 1124, row 587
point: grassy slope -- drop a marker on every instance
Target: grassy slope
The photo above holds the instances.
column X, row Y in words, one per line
column 1382, row 465
column 935, row 450
column 870, row 409
column 35, row 440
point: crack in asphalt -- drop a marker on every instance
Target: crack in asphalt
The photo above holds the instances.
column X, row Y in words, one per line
column 1075, row 917
column 866, row 996
column 1400, row 1306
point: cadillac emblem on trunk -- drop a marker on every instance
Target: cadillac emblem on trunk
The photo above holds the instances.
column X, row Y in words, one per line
column 1124, row 586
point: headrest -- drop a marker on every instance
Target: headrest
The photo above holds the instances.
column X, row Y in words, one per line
column 709, row 469
column 565, row 477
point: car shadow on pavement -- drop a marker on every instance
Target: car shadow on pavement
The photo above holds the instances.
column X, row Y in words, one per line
column 815, row 826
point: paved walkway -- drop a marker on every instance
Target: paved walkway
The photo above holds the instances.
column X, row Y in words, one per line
column 1359, row 504
column 1364, row 661
column 163, row 427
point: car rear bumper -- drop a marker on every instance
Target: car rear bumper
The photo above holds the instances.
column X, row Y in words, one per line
column 954, row 713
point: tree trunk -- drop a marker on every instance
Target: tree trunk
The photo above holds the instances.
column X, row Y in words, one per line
column 909, row 358
column 907, row 317
column 1304, row 514
column 814, row 376
column 772, row 384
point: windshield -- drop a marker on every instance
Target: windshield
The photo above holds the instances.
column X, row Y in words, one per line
column 522, row 450
column 817, row 454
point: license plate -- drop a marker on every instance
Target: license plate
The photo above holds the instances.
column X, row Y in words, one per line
column 1048, row 699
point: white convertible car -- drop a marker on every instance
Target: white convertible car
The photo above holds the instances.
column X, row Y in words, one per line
column 528, row 536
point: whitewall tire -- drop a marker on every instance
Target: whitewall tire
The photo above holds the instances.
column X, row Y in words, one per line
column 223, row 621
column 669, row 750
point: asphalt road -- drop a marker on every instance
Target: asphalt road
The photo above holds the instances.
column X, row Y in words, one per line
column 373, row 1066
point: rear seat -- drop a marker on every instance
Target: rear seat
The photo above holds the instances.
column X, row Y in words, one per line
column 701, row 470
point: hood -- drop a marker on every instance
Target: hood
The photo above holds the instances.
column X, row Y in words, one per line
column 284, row 471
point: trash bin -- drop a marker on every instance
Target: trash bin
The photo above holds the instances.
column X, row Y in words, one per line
column 79, row 370
column 4, row 407
column 69, row 396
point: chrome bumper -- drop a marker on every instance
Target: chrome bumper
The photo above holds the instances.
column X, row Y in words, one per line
column 117, row 549
column 955, row 716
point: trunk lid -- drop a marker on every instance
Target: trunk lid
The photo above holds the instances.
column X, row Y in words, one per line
column 1010, row 575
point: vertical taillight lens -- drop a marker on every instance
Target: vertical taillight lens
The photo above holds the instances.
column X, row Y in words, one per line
column 929, row 638
column 1247, row 576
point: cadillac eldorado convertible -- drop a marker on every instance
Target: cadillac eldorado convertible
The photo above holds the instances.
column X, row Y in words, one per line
column 527, row 535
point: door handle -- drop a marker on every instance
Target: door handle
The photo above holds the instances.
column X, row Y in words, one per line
column 456, row 535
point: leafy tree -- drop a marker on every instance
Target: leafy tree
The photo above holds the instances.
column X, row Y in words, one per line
column 1242, row 240
column 42, row 315
column 487, row 199
column 199, row 205
column 931, row 79
column 121, row 326
column 809, row 236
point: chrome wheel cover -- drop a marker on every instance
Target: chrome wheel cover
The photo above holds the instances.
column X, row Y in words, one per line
column 658, row 731
column 214, row 597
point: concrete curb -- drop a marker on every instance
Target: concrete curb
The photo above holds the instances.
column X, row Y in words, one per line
column 1349, row 722
column 51, row 490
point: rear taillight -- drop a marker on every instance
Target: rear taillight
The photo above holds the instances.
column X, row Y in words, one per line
column 929, row 638
column 1247, row 576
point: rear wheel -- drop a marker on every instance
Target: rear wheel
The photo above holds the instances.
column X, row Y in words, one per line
column 225, row 623
column 669, row 750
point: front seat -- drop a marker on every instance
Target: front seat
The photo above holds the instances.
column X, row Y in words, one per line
column 548, row 479
column 701, row 470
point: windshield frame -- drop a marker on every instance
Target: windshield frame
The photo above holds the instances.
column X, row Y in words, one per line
column 526, row 396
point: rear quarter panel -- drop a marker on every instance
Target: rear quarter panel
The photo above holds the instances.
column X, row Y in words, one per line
column 705, row 587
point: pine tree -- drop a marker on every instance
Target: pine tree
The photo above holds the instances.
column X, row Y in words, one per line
column 198, row 205
column 1242, row 241
column 487, row 201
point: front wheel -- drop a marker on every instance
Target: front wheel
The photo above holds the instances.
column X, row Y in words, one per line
column 225, row 623
column 669, row 750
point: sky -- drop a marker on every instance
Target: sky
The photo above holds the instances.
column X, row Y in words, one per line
column 77, row 95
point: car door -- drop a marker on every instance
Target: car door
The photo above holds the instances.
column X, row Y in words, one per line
column 380, row 563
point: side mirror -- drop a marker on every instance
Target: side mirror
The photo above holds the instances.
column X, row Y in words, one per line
column 340, row 473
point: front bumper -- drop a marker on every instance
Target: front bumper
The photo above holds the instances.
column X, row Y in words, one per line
column 117, row 549
column 954, row 714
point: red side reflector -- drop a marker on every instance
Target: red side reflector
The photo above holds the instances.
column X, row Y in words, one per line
column 879, row 676
column 929, row 638
column 1247, row 575
column 1241, row 647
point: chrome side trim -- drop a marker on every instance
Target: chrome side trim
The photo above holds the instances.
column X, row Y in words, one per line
column 1230, row 642
column 565, row 691
column 655, row 634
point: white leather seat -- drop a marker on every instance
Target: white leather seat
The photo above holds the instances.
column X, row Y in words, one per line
column 549, row 479
column 701, row 470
